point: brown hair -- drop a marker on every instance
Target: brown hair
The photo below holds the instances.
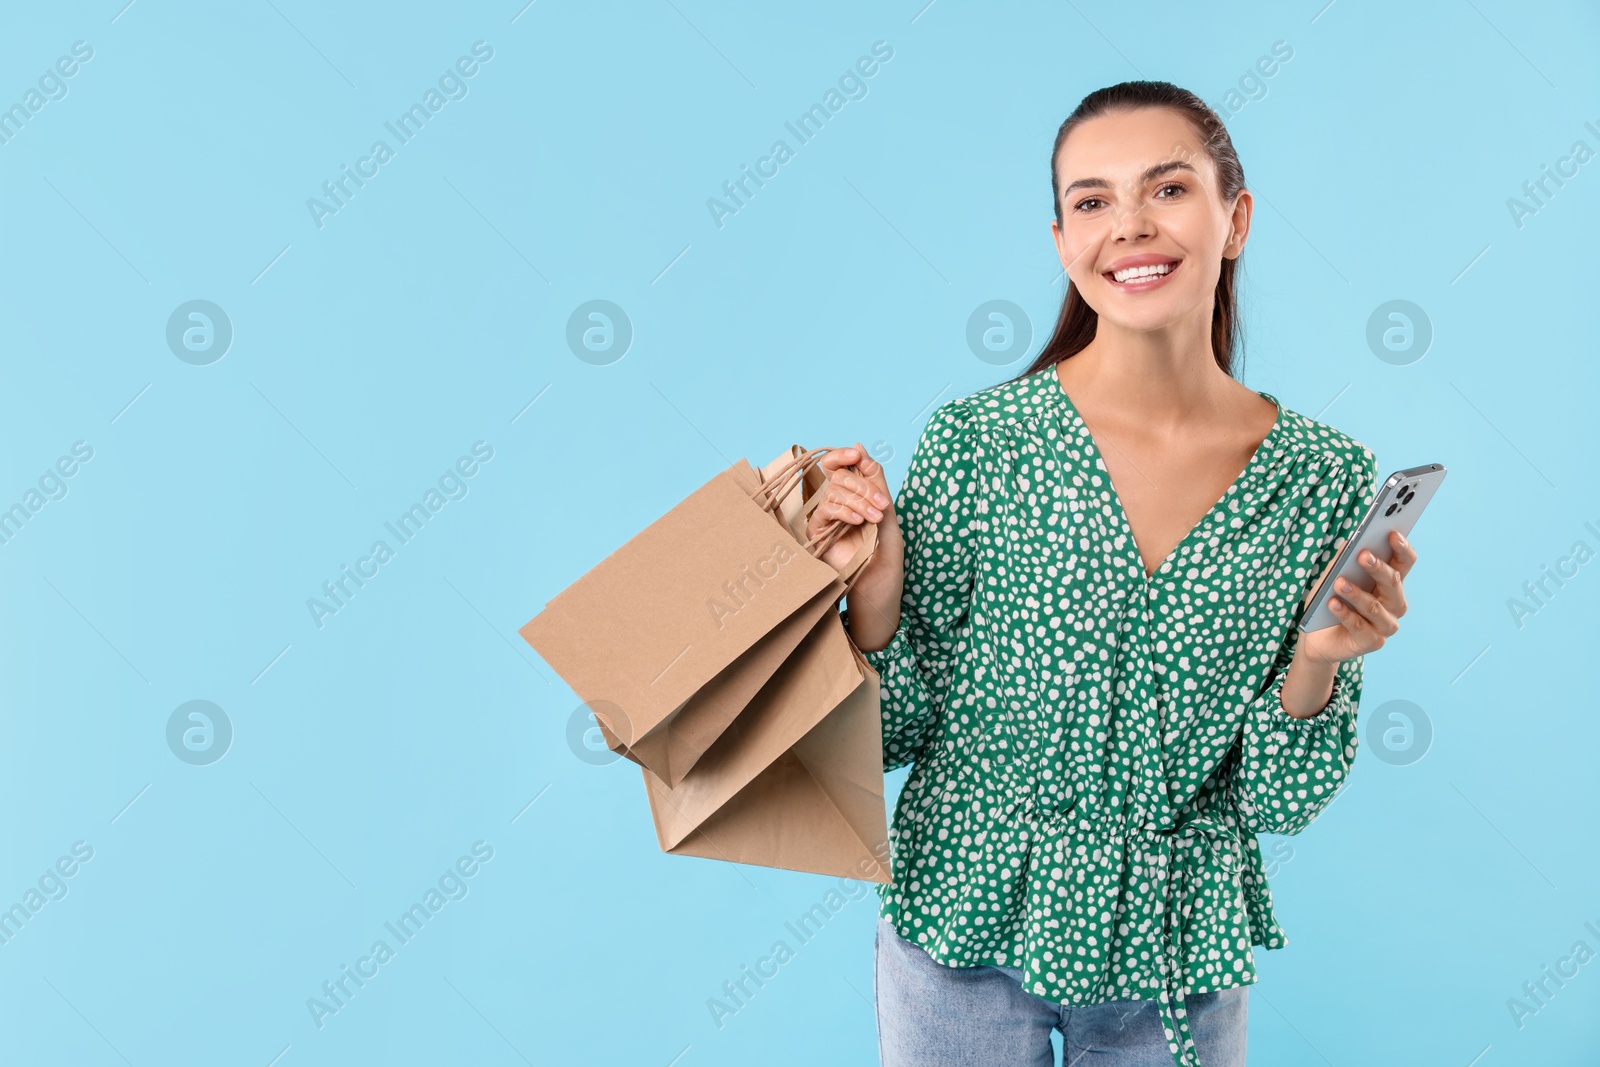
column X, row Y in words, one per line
column 1077, row 321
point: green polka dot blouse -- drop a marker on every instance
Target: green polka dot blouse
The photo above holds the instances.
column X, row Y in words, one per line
column 1094, row 751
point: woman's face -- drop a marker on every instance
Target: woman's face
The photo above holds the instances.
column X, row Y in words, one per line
column 1137, row 189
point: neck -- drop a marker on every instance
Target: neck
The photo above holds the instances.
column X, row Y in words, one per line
column 1161, row 379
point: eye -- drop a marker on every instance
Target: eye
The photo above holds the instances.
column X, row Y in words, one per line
column 1171, row 185
column 1086, row 200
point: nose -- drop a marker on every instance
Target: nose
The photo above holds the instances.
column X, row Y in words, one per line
column 1130, row 222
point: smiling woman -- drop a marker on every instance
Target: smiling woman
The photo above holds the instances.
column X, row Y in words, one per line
column 1082, row 612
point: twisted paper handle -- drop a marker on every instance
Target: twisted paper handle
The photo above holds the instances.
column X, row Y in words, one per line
column 786, row 477
column 770, row 494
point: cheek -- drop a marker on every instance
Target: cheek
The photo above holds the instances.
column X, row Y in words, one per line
column 1200, row 237
column 1203, row 270
column 1080, row 247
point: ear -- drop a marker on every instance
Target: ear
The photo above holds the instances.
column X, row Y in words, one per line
column 1243, row 206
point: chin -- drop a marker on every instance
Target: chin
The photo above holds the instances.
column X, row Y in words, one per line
column 1142, row 323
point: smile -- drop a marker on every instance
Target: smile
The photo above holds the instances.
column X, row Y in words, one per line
column 1139, row 278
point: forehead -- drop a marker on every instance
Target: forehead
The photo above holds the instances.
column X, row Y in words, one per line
column 1121, row 145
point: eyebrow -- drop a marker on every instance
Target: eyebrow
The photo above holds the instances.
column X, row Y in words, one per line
column 1150, row 172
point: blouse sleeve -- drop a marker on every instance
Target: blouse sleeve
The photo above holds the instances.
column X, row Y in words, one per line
column 1289, row 769
column 935, row 509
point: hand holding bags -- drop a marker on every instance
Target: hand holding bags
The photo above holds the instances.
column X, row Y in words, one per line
column 710, row 650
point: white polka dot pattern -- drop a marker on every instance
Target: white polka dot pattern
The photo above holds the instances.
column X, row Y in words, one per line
column 1095, row 751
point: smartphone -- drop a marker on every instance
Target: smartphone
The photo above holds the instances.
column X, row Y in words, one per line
column 1397, row 506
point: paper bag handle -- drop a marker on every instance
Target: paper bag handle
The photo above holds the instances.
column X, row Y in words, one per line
column 785, row 476
column 790, row 474
column 823, row 539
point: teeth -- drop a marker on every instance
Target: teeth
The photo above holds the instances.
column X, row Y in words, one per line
column 1142, row 272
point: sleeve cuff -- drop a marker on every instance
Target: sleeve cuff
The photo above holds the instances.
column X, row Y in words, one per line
column 1270, row 704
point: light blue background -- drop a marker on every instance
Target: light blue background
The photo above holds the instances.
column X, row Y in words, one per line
column 432, row 310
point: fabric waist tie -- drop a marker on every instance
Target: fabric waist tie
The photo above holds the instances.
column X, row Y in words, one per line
column 1172, row 883
column 1201, row 827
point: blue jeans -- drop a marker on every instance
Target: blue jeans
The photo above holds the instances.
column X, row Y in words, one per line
column 931, row 1015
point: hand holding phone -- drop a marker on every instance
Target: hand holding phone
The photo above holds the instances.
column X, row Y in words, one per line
column 1397, row 506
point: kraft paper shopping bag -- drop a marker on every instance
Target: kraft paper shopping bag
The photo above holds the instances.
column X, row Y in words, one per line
column 673, row 748
column 796, row 781
column 669, row 636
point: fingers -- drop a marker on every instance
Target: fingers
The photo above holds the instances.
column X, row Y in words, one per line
column 1351, row 602
column 869, row 466
column 855, row 455
column 1389, row 580
column 868, row 486
column 854, row 497
column 838, row 457
column 853, row 503
column 1402, row 555
column 1366, row 632
column 830, row 509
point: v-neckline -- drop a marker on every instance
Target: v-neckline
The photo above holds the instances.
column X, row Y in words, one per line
column 1092, row 449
